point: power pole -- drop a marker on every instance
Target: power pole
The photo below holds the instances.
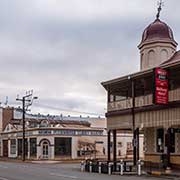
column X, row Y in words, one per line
column 27, row 101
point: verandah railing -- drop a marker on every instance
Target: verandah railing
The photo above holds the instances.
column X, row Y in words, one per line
column 174, row 95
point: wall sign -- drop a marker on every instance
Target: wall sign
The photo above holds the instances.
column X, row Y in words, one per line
column 160, row 86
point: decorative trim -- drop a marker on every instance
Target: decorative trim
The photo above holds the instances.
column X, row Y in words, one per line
column 44, row 139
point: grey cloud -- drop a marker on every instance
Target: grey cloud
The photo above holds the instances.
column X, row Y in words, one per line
column 65, row 59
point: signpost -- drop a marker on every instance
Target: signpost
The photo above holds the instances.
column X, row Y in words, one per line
column 160, row 86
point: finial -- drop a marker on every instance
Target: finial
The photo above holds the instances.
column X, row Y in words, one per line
column 160, row 4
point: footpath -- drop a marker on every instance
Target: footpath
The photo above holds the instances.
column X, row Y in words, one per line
column 14, row 160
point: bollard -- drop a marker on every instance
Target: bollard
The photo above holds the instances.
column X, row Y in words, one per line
column 82, row 166
column 99, row 167
column 121, row 167
column 139, row 167
column 90, row 166
column 109, row 168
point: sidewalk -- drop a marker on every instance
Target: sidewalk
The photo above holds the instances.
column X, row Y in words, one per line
column 173, row 173
column 38, row 161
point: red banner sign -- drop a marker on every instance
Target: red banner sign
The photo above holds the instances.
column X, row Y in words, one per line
column 161, row 86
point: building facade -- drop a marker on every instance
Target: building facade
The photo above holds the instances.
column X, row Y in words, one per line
column 57, row 137
column 131, row 104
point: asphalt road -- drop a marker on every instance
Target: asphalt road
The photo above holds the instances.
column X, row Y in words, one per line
column 28, row 171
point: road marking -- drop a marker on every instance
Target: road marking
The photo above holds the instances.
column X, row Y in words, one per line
column 63, row 175
column 2, row 178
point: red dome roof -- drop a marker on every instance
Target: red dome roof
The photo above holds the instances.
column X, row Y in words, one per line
column 158, row 30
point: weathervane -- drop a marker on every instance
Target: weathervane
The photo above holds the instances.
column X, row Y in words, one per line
column 160, row 4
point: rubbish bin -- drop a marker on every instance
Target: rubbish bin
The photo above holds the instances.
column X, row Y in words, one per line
column 87, row 164
column 104, row 167
column 95, row 166
column 164, row 160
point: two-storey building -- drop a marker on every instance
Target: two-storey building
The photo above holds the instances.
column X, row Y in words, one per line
column 131, row 106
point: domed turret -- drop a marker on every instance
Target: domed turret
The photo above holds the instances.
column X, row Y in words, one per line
column 157, row 31
column 157, row 44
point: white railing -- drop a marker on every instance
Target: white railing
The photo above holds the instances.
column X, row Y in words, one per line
column 143, row 100
column 119, row 105
column 174, row 95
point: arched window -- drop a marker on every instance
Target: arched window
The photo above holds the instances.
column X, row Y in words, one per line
column 142, row 61
column 164, row 55
column 151, row 58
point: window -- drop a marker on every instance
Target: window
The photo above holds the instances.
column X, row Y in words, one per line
column 142, row 61
column 33, row 150
column 62, row 146
column 160, row 140
column 13, row 146
column 19, row 146
column 151, row 58
column 164, row 55
column 120, row 144
column 129, row 146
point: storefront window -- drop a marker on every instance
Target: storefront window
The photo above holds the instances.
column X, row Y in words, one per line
column 20, row 147
column 33, row 149
column 62, row 146
column 13, row 146
column 160, row 140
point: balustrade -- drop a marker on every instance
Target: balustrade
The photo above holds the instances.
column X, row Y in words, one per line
column 174, row 95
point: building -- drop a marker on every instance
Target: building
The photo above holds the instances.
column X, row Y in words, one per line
column 131, row 104
column 57, row 137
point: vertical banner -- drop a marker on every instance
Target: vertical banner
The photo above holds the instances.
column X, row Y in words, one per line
column 160, row 86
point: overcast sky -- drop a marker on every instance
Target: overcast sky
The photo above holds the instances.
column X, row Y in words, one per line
column 64, row 49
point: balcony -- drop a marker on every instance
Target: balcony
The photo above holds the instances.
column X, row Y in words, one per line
column 174, row 95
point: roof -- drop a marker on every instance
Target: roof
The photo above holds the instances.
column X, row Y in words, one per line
column 173, row 61
column 62, row 122
column 18, row 115
column 157, row 31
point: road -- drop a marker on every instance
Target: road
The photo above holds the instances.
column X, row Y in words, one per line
column 28, row 171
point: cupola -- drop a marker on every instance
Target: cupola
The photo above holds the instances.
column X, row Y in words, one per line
column 157, row 44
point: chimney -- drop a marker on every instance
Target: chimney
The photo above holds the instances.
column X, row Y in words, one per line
column 7, row 116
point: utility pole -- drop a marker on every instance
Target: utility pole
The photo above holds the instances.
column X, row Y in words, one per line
column 27, row 101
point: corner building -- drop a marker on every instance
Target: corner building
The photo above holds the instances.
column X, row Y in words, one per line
column 57, row 137
column 130, row 99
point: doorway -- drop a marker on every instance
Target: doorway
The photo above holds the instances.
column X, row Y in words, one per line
column 45, row 150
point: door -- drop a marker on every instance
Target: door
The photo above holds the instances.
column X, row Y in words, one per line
column 45, row 149
column 5, row 148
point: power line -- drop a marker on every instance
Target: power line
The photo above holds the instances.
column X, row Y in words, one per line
column 67, row 110
column 63, row 109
